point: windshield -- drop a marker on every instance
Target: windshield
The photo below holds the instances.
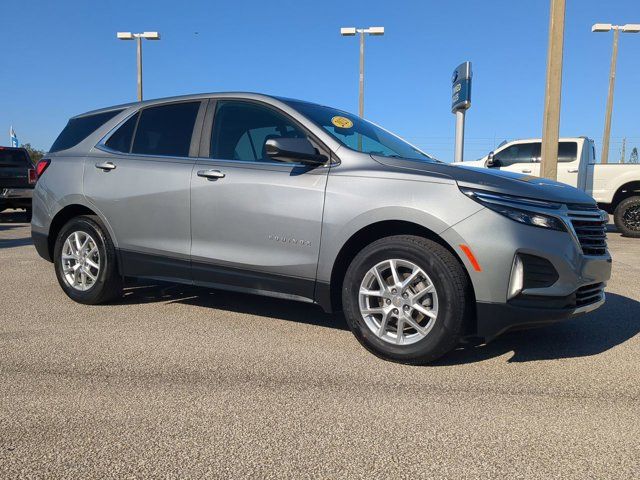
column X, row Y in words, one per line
column 359, row 134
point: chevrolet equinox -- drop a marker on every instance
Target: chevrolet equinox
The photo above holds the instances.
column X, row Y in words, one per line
column 280, row 197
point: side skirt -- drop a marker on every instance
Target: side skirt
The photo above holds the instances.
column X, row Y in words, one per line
column 182, row 270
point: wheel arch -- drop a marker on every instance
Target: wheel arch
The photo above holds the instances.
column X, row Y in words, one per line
column 331, row 299
column 61, row 218
column 629, row 189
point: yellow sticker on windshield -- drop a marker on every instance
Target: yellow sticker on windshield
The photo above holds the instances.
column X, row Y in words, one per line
column 342, row 122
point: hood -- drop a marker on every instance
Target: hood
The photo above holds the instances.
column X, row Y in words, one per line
column 493, row 180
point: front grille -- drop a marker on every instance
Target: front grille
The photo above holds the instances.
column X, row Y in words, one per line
column 589, row 294
column 590, row 228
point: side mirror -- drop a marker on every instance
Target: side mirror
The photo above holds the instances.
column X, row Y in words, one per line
column 492, row 161
column 294, row 150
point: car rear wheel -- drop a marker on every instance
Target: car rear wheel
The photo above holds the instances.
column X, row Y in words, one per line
column 85, row 262
column 627, row 217
column 406, row 298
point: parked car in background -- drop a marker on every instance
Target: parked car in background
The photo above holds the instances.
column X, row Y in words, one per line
column 615, row 186
column 280, row 197
column 17, row 179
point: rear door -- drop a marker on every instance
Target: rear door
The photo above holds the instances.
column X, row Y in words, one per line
column 14, row 168
column 139, row 180
column 571, row 169
column 520, row 158
column 257, row 225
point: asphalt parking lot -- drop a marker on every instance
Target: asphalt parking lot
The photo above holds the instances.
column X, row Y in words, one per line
column 177, row 381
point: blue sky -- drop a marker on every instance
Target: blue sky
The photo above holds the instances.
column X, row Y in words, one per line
column 62, row 58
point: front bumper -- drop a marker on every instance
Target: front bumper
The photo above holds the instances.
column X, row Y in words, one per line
column 495, row 240
column 525, row 311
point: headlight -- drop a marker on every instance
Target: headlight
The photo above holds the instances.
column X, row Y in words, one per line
column 516, row 209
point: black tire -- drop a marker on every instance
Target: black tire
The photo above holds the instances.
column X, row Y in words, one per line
column 108, row 285
column 627, row 217
column 451, row 284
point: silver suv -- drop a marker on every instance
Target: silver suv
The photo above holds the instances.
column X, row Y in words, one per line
column 295, row 200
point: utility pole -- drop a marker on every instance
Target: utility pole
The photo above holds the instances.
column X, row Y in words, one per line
column 139, row 58
column 361, row 82
column 604, row 157
column 607, row 27
column 624, row 148
column 553, row 89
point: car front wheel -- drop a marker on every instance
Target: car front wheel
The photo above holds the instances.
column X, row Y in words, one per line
column 406, row 299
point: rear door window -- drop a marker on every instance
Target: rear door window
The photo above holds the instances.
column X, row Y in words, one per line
column 79, row 128
column 567, row 151
column 165, row 130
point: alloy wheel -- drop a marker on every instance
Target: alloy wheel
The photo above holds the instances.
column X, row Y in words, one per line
column 80, row 261
column 398, row 301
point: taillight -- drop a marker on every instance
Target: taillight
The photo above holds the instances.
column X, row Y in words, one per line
column 33, row 178
column 40, row 168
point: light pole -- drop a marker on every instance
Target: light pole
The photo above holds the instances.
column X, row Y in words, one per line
column 350, row 32
column 606, row 27
column 138, row 37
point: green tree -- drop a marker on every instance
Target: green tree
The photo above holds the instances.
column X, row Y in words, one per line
column 633, row 158
column 35, row 154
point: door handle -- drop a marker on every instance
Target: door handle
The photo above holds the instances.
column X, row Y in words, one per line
column 211, row 174
column 106, row 166
column 526, row 170
column 572, row 170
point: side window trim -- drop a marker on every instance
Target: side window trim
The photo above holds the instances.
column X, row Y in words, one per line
column 207, row 128
column 196, row 134
column 135, row 130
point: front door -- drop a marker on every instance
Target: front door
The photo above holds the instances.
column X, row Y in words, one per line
column 520, row 158
column 255, row 222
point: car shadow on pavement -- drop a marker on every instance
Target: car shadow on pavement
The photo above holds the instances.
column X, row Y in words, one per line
column 14, row 242
column 617, row 321
column 9, row 221
column 280, row 309
column 596, row 332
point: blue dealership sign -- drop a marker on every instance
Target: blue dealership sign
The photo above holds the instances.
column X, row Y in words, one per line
column 461, row 87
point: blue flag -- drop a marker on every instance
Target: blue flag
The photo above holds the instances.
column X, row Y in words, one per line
column 14, row 137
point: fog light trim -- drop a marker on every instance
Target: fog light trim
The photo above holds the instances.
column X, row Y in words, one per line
column 516, row 282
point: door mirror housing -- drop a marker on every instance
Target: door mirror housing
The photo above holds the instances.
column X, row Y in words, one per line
column 294, row 150
column 492, row 161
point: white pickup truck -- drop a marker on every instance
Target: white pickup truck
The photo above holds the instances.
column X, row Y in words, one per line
column 615, row 186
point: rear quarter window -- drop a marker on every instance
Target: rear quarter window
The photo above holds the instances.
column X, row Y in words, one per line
column 79, row 128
